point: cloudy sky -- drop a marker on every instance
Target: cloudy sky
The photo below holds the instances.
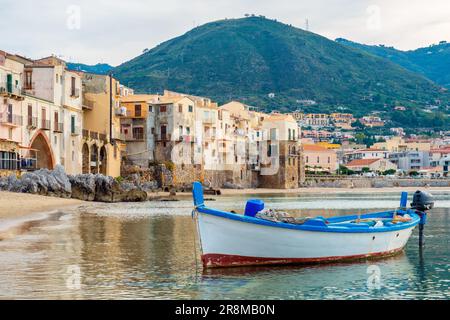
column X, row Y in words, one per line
column 112, row 31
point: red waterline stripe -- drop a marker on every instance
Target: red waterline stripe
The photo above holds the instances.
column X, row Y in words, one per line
column 213, row 260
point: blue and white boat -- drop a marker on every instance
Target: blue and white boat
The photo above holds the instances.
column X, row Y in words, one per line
column 230, row 239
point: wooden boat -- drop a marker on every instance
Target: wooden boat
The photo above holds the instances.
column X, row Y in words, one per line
column 229, row 239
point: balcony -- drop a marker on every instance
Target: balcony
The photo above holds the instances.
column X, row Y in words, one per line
column 163, row 137
column 75, row 93
column 88, row 104
column 10, row 119
column 136, row 136
column 59, row 127
column 32, row 122
column 121, row 112
column 103, row 137
column 75, row 131
column 208, row 119
column 93, row 135
column 45, row 125
column 12, row 91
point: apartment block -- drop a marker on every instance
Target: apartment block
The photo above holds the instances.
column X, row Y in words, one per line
column 41, row 99
column 410, row 160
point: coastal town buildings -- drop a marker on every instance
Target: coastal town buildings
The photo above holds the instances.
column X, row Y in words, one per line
column 137, row 127
column 367, row 153
column 319, row 159
column 40, row 99
column 372, row 121
column 11, row 120
column 397, row 144
column 372, row 164
column 103, row 143
column 410, row 160
column 342, row 120
column 92, row 123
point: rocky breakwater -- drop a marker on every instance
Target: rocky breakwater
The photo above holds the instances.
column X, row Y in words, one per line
column 88, row 187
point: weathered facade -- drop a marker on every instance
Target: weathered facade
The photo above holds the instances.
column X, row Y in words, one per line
column 103, row 143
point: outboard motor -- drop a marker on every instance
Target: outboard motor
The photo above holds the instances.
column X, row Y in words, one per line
column 422, row 202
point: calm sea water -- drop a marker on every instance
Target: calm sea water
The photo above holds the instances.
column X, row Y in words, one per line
column 148, row 251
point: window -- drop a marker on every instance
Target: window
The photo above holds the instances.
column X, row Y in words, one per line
column 180, row 108
column 73, row 155
column 55, row 140
column 153, row 130
column 289, row 134
column 150, row 108
column 180, row 128
column 329, row 160
column 188, row 130
column 56, row 119
column 162, row 108
column 318, row 159
column 138, row 133
column 137, row 110
column 191, row 108
column 28, row 80
column 72, row 87
column 30, row 115
column 163, row 132
column 72, row 124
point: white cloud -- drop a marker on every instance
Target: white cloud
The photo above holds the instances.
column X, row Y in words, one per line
column 115, row 31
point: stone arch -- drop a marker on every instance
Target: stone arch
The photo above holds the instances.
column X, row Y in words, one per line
column 45, row 156
column 85, row 158
column 103, row 161
column 94, row 159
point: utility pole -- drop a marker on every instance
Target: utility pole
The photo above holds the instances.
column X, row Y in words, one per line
column 111, row 140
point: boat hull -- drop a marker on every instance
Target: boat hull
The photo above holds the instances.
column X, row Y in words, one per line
column 226, row 243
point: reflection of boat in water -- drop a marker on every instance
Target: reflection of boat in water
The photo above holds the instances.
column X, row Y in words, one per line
column 229, row 239
column 324, row 281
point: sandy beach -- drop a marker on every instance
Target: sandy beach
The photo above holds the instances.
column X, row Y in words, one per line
column 17, row 205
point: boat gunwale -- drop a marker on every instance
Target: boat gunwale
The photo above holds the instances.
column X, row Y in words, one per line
column 318, row 228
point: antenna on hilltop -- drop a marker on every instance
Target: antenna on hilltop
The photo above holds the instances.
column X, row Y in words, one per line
column 307, row 24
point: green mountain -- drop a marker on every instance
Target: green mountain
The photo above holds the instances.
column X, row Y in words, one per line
column 433, row 62
column 272, row 65
column 99, row 68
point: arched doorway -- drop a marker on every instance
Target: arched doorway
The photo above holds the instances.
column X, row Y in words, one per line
column 94, row 159
column 85, row 156
column 103, row 160
column 45, row 158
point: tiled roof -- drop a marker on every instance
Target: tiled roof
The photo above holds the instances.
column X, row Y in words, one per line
column 314, row 147
column 361, row 162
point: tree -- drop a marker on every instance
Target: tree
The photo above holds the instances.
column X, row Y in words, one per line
column 365, row 170
column 389, row 172
column 345, row 171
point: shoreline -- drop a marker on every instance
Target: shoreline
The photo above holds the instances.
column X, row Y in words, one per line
column 165, row 196
column 16, row 205
column 20, row 211
column 330, row 190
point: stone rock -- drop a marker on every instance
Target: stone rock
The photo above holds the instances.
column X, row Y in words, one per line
column 229, row 185
column 150, row 185
column 83, row 186
column 44, row 182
